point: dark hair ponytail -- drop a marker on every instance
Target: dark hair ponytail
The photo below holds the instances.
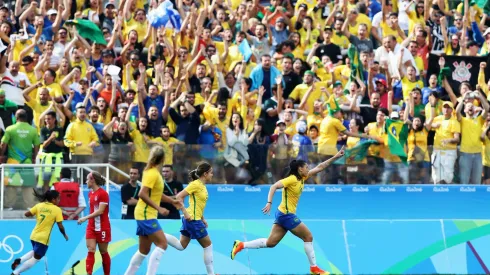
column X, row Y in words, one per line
column 47, row 196
column 294, row 166
column 201, row 169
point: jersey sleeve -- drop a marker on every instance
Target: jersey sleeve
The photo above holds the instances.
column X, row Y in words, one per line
column 104, row 198
column 59, row 215
column 149, row 179
column 191, row 188
column 289, row 181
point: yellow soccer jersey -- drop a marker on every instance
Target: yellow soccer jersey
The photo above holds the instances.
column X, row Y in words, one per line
column 198, row 196
column 154, row 181
column 47, row 214
column 291, row 193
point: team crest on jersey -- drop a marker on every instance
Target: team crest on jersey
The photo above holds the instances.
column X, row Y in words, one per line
column 461, row 71
column 96, row 198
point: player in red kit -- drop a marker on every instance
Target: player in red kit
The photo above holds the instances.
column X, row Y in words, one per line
column 99, row 227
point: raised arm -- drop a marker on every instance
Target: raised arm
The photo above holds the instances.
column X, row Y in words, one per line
column 322, row 166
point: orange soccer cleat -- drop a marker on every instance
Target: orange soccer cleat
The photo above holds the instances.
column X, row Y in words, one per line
column 317, row 271
column 237, row 247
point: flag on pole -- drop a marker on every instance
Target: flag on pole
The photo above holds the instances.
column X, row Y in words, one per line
column 88, row 30
column 356, row 68
column 356, row 154
column 165, row 15
column 397, row 132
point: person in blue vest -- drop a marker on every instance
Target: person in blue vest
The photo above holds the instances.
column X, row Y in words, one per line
column 302, row 144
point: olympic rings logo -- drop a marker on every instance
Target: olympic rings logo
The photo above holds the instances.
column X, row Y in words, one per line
column 8, row 249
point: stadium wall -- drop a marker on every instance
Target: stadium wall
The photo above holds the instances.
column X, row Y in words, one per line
column 383, row 232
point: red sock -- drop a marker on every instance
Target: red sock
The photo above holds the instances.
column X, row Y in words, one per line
column 106, row 263
column 89, row 262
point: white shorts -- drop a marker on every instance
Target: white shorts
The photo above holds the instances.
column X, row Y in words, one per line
column 443, row 165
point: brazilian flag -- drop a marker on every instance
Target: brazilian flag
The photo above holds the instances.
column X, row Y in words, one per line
column 356, row 68
column 397, row 132
column 357, row 153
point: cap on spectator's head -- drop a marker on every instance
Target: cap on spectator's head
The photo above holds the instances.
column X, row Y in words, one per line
column 51, row 12
column 471, row 43
column 328, row 28
column 280, row 19
column 2, row 92
column 83, row 80
column 382, row 81
column 487, row 31
column 80, row 105
column 337, row 84
column 310, row 73
column 448, row 103
column 108, row 52
column 290, row 55
column 303, row 6
column 395, row 115
column 280, row 121
column 109, row 4
column 301, row 126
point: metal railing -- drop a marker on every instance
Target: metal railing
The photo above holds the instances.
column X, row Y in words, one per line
column 79, row 175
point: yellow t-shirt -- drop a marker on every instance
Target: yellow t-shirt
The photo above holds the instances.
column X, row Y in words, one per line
column 446, row 131
column 314, row 119
column 308, row 44
column 19, row 46
column 418, row 139
column 198, row 196
column 54, row 89
column 414, row 20
column 47, row 214
column 142, row 151
column 486, row 151
column 407, row 87
column 154, row 181
column 167, row 148
column 387, row 30
column 37, row 109
column 330, row 128
column 132, row 24
column 309, row 3
column 340, row 40
column 291, row 193
column 300, row 90
column 472, row 129
column 361, row 19
column 375, row 131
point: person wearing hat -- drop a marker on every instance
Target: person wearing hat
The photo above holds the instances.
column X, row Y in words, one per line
column 81, row 137
column 470, row 157
column 281, row 146
column 107, row 18
column 446, row 139
column 302, row 145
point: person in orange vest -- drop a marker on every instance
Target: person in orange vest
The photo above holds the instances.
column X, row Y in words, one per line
column 72, row 202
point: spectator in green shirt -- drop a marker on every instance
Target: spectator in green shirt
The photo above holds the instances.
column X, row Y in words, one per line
column 23, row 142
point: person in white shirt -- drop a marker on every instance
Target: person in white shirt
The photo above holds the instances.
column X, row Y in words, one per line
column 13, row 82
column 389, row 53
column 60, row 45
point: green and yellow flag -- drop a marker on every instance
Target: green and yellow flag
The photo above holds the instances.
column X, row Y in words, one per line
column 332, row 105
column 397, row 132
column 356, row 68
column 357, row 153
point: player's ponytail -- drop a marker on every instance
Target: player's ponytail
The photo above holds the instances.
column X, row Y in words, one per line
column 48, row 196
column 157, row 156
column 294, row 166
column 201, row 169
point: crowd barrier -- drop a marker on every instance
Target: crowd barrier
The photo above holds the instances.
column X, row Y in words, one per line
column 342, row 247
column 346, row 202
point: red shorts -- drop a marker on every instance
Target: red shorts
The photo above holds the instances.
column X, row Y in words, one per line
column 102, row 236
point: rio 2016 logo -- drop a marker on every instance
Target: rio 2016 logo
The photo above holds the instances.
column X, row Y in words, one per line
column 6, row 246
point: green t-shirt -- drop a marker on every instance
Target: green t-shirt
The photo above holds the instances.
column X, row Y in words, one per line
column 21, row 137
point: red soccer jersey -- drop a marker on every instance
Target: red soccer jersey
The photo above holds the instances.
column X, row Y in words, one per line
column 96, row 199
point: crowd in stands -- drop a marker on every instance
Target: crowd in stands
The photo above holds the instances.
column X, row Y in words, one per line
column 196, row 91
